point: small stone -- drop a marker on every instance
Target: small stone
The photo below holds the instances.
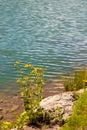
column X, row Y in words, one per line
column 15, row 97
column 5, row 111
column 1, row 109
column 1, row 117
column 1, row 101
column 14, row 129
column 14, row 108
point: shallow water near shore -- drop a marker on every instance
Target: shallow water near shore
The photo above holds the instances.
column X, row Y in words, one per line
column 49, row 33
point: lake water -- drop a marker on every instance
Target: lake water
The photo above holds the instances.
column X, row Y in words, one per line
column 48, row 33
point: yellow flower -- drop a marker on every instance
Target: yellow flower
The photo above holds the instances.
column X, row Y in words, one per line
column 40, row 68
column 7, row 123
column 23, row 82
column 42, row 81
column 35, row 69
column 30, row 94
column 17, row 62
column 36, row 85
column 38, row 74
column 22, row 93
column 18, row 80
column 26, row 78
column 85, row 81
column 27, row 65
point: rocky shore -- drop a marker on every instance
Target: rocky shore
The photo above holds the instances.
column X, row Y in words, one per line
column 11, row 105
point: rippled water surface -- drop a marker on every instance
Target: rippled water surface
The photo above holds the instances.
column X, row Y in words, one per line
column 48, row 33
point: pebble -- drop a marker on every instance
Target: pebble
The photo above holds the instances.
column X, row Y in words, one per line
column 1, row 101
column 14, row 108
column 1, row 109
column 1, row 117
column 14, row 129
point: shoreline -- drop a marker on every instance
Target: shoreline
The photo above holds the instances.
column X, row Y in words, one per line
column 11, row 104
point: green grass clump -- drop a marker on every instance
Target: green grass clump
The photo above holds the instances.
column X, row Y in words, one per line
column 78, row 120
column 76, row 81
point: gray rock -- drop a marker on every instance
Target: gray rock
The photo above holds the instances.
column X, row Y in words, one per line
column 63, row 101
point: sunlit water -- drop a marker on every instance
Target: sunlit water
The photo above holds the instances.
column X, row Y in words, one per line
column 48, row 33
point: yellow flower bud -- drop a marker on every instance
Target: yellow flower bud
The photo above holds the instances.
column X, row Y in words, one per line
column 17, row 62
column 27, row 65
column 18, row 80
column 26, row 78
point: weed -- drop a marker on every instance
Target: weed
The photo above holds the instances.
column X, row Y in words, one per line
column 76, row 81
column 31, row 80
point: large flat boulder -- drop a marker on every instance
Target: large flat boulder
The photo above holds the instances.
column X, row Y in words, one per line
column 63, row 101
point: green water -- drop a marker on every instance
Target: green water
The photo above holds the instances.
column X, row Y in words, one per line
column 48, row 33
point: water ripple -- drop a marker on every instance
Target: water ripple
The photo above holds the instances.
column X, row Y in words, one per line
column 48, row 33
